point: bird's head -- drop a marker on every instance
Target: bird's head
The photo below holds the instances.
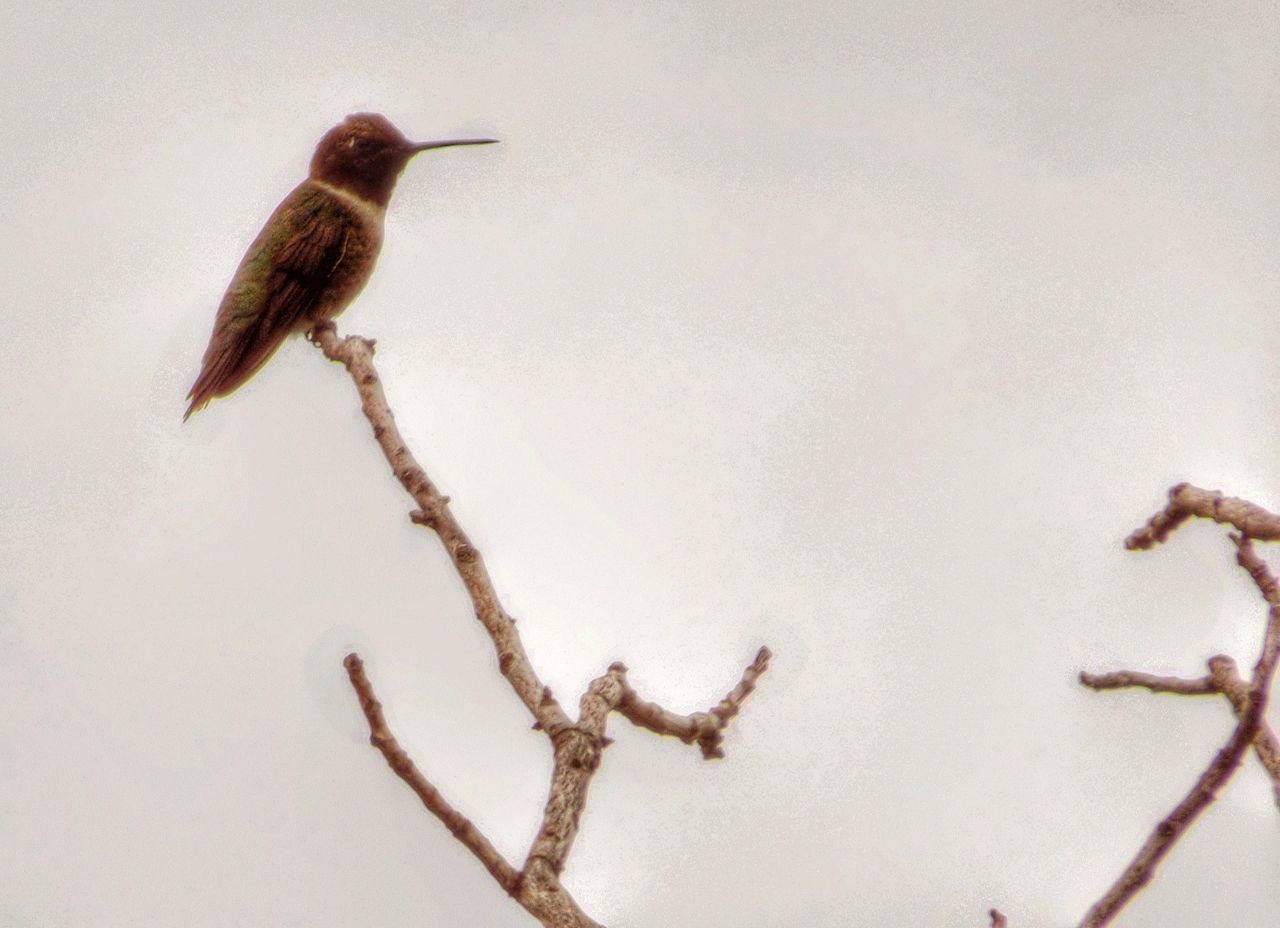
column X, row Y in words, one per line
column 365, row 154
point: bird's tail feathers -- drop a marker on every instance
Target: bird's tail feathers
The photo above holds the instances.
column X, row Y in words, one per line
column 227, row 373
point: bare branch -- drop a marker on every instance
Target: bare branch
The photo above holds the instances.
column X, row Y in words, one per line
column 356, row 354
column 577, row 757
column 1125, row 679
column 578, row 749
column 1223, row 678
column 577, row 746
column 458, row 824
column 1142, row 869
column 998, row 920
column 1186, row 501
column 706, row 728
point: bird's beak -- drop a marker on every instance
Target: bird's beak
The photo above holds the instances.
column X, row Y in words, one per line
column 424, row 146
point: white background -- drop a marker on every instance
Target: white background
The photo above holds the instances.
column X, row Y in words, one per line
column 864, row 330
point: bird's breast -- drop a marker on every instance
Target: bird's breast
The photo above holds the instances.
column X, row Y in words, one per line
column 362, row 224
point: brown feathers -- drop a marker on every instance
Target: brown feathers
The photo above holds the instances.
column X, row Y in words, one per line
column 292, row 277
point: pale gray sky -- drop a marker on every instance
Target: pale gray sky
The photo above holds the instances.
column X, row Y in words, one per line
column 864, row 330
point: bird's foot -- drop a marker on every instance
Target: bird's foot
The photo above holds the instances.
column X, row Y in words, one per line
column 314, row 333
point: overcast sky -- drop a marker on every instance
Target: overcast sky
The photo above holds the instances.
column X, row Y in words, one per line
column 863, row 330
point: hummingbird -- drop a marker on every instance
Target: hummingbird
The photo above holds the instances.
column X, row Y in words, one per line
column 315, row 253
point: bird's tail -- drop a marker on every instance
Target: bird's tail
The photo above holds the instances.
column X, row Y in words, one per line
column 226, row 371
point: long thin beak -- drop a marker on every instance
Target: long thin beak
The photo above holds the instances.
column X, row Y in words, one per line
column 423, row 146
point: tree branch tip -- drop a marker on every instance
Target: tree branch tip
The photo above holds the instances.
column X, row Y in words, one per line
column 997, row 919
column 1098, row 681
column 617, row 667
column 353, row 663
column 1147, row 537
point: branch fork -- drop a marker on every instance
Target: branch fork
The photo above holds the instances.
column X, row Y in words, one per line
column 1248, row 698
column 577, row 745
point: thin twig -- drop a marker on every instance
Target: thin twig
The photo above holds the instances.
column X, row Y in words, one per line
column 1186, row 501
column 458, row 824
column 1125, row 679
column 1223, row 679
column 705, row 728
column 356, row 354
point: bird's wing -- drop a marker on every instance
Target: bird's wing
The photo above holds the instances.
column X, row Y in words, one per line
column 278, row 285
